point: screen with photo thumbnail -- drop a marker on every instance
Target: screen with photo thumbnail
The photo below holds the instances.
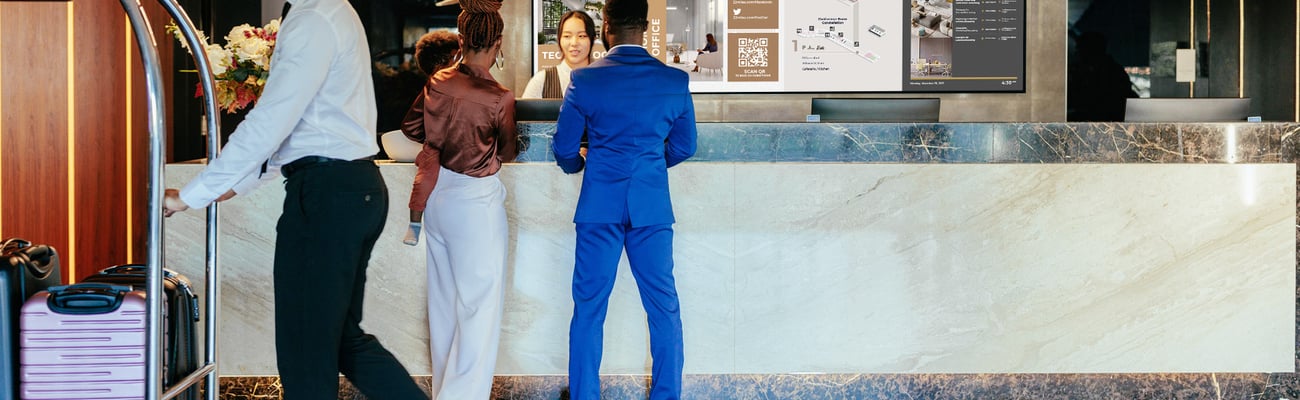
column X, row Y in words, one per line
column 822, row 45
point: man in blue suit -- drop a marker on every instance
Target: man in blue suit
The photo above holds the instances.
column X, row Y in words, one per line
column 640, row 120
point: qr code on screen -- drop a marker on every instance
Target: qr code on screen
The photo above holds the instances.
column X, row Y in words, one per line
column 752, row 52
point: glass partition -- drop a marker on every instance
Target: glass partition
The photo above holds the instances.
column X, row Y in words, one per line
column 1219, row 49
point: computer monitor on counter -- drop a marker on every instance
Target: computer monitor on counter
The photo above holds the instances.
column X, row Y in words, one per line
column 537, row 109
column 876, row 110
column 1187, row 110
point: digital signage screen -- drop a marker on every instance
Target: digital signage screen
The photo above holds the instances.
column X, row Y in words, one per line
column 886, row 46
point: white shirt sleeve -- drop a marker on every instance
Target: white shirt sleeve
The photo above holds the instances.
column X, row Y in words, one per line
column 301, row 61
column 256, row 179
column 535, row 86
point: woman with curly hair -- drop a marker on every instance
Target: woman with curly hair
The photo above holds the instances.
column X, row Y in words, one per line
column 466, row 121
column 434, row 51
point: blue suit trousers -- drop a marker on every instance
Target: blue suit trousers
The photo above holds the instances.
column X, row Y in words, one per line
column 650, row 253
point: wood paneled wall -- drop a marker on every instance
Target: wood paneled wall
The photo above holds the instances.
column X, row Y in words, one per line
column 73, row 132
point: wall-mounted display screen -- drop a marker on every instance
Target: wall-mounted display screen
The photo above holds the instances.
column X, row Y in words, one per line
column 822, row 45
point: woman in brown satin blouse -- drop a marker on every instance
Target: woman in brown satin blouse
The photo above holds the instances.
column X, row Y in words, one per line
column 466, row 121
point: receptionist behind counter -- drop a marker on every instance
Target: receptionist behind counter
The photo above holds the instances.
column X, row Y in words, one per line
column 577, row 32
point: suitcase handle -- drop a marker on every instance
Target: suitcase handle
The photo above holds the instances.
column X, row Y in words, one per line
column 141, row 269
column 86, row 298
column 128, row 269
column 14, row 244
column 39, row 259
column 136, row 269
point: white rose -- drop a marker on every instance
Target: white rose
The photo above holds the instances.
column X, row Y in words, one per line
column 273, row 26
column 220, row 59
column 239, row 34
column 256, row 51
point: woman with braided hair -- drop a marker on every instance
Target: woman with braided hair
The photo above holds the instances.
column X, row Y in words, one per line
column 466, row 121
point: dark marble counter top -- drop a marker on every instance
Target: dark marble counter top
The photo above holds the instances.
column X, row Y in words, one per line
column 1267, row 142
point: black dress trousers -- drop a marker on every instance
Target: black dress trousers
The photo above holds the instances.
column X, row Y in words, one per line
column 333, row 214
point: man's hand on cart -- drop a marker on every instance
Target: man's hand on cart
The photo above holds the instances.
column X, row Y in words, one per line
column 172, row 202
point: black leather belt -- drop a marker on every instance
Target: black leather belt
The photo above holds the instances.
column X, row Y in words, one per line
column 312, row 162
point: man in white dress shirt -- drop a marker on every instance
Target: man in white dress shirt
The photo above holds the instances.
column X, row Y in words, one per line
column 314, row 124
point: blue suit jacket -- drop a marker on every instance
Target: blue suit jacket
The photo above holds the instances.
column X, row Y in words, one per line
column 640, row 120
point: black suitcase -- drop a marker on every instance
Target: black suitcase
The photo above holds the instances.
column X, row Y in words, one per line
column 24, row 270
column 180, row 315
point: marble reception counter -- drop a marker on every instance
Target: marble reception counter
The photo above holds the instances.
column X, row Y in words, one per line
column 868, row 250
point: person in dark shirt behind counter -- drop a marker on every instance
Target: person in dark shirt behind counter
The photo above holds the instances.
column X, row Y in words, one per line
column 1097, row 88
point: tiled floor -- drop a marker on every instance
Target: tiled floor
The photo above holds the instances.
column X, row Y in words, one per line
column 894, row 386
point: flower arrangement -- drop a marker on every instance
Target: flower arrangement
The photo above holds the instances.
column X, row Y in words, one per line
column 241, row 66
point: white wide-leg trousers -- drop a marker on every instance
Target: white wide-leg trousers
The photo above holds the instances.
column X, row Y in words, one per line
column 465, row 228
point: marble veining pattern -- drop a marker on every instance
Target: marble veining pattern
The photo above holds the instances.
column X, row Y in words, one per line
column 973, row 277
column 1002, row 143
column 977, row 142
column 797, row 267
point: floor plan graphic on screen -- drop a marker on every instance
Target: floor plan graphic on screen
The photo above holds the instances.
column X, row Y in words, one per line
column 832, row 46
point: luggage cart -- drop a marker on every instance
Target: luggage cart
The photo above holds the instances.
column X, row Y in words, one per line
column 154, row 243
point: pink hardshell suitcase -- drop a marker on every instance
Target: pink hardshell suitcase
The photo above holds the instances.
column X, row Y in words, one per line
column 84, row 341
